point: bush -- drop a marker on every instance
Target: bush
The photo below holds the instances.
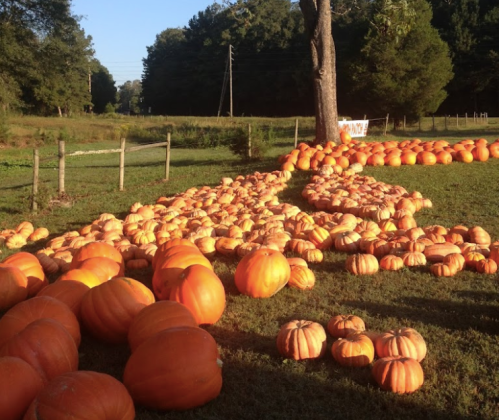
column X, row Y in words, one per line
column 109, row 108
column 261, row 142
column 4, row 129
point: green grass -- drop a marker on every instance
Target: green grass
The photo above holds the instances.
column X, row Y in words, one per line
column 458, row 317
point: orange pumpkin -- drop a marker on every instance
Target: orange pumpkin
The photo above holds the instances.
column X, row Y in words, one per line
column 301, row 340
column 340, row 326
column 359, row 264
column 262, row 273
column 99, row 308
column 24, row 313
column 398, row 374
column 13, row 286
column 70, row 292
column 405, row 342
column 96, row 249
column 175, row 369
column 201, row 291
column 354, row 350
column 157, row 317
column 31, row 268
column 82, row 395
column 19, row 385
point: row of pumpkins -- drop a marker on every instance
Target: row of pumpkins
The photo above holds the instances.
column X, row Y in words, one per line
column 21, row 235
column 389, row 153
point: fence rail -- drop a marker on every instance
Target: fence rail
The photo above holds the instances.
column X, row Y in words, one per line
column 62, row 155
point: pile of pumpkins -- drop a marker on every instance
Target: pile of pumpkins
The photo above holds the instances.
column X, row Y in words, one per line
column 40, row 336
column 21, row 235
column 399, row 351
column 389, row 153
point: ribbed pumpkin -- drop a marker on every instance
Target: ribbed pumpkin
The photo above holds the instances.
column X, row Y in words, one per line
column 405, row 342
column 201, row 291
column 443, row 269
column 157, row 317
column 19, row 384
column 301, row 277
column 456, row 259
column 24, row 313
column 362, row 264
column 391, row 263
column 82, row 395
column 262, row 273
column 437, row 252
column 108, row 310
column 486, row 266
column 301, row 340
column 354, row 350
column 165, row 249
column 13, row 286
column 398, row 374
column 31, row 268
column 175, row 369
column 413, row 259
column 47, row 346
column 340, row 326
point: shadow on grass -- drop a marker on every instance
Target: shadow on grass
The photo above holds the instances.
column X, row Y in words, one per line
column 453, row 315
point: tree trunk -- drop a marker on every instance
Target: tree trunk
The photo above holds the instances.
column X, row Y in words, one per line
column 59, row 110
column 317, row 16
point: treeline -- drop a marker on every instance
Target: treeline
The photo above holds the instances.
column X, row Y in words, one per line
column 403, row 57
column 46, row 60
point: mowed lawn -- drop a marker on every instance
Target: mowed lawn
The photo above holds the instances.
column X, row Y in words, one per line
column 457, row 316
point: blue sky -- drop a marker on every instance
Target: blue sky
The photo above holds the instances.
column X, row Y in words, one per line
column 121, row 30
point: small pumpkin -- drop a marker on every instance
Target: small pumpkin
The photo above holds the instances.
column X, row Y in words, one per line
column 340, row 326
column 301, row 340
column 405, row 342
column 399, row 374
column 354, row 350
column 301, row 278
column 359, row 264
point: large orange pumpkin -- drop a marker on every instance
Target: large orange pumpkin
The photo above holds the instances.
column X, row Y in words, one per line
column 175, row 369
column 354, row 350
column 201, row 291
column 398, row 374
column 301, row 340
column 19, row 384
column 170, row 268
column 342, row 325
column 13, row 286
column 96, row 249
column 82, row 395
column 157, row 317
column 70, row 292
column 24, row 313
column 31, row 268
column 82, row 275
column 405, row 342
column 104, row 268
column 47, row 346
column 262, row 273
column 108, row 310
column 362, row 264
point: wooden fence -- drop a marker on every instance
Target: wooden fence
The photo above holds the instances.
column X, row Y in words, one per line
column 62, row 155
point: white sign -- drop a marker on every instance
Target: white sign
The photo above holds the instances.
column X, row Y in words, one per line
column 356, row 128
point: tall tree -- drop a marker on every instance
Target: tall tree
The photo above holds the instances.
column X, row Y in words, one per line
column 129, row 97
column 103, row 87
column 317, row 15
column 404, row 65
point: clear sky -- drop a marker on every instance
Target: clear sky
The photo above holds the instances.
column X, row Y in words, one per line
column 122, row 29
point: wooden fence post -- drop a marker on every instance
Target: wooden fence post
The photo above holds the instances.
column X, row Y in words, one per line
column 457, row 120
column 486, row 118
column 386, row 124
column 167, row 158
column 466, row 119
column 445, row 119
column 404, row 122
column 122, row 163
column 296, row 133
column 36, row 168
column 433, row 120
column 249, row 141
column 62, row 166
column 419, row 121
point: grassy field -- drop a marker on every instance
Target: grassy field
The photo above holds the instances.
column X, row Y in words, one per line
column 458, row 316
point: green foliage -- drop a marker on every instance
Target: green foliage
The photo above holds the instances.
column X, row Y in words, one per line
column 109, row 108
column 103, row 89
column 4, row 128
column 402, row 72
column 129, row 97
column 261, row 143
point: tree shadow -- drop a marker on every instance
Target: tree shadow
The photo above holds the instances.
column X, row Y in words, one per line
column 446, row 314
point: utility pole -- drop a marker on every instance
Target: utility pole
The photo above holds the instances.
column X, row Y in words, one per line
column 89, row 88
column 224, row 84
column 230, row 78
